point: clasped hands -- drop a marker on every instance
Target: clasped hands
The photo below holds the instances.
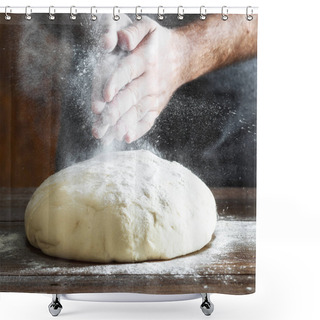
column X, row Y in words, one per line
column 128, row 101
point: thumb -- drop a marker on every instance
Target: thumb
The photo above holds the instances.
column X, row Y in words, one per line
column 130, row 37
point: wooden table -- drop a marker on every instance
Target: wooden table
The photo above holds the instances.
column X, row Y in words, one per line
column 225, row 265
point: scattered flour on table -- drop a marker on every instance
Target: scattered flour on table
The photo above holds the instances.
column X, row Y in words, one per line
column 212, row 259
column 7, row 242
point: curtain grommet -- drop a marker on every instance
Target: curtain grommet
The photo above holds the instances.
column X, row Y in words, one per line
column 73, row 13
column 28, row 13
column 7, row 12
column 224, row 13
column 138, row 15
column 203, row 13
column 93, row 15
column 180, row 14
column 116, row 16
column 160, row 15
column 249, row 17
column 52, row 11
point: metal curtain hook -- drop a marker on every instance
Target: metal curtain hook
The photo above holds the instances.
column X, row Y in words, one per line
column 249, row 17
column 116, row 16
column 203, row 13
column 224, row 13
column 138, row 15
column 52, row 11
column 6, row 14
column 180, row 13
column 28, row 13
column 93, row 16
column 73, row 13
column 160, row 15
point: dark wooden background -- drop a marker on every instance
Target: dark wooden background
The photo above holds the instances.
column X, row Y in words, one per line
column 28, row 131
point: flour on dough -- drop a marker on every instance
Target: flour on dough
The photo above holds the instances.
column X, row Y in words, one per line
column 126, row 206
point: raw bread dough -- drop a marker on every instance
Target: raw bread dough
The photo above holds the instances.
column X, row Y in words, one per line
column 127, row 206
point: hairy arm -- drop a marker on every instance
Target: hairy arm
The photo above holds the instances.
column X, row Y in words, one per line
column 211, row 44
column 159, row 61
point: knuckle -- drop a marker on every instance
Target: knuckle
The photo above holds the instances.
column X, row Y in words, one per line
column 131, row 33
column 133, row 29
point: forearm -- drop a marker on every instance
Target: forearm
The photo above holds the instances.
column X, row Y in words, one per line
column 211, row 44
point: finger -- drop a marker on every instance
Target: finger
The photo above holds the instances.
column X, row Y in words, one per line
column 127, row 122
column 99, row 129
column 130, row 68
column 98, row 106
column 130, row 37
column 123, row 22
column 120, row 106
column 125, row 99
column 108, row 137
column 97, row 102
column 110, row 38
column 143, row 126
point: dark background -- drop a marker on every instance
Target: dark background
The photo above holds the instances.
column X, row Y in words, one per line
column 209, row 125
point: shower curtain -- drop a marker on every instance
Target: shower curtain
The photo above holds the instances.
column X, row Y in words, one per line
column 180, row 86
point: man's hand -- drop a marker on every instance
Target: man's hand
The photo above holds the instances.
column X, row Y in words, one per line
column 141, row 85
column 159, row 61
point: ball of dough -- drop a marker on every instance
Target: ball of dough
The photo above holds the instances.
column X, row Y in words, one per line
column 125, row 206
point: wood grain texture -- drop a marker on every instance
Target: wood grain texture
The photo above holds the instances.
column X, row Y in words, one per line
column 225, row 265
column 236, row 203
column 28, row 127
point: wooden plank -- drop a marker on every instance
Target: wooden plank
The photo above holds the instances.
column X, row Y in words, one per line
column 147, row 284
column 13, row 203
column 225, row 265
column 232, row 203
column 236, row 203
column 29, row 123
